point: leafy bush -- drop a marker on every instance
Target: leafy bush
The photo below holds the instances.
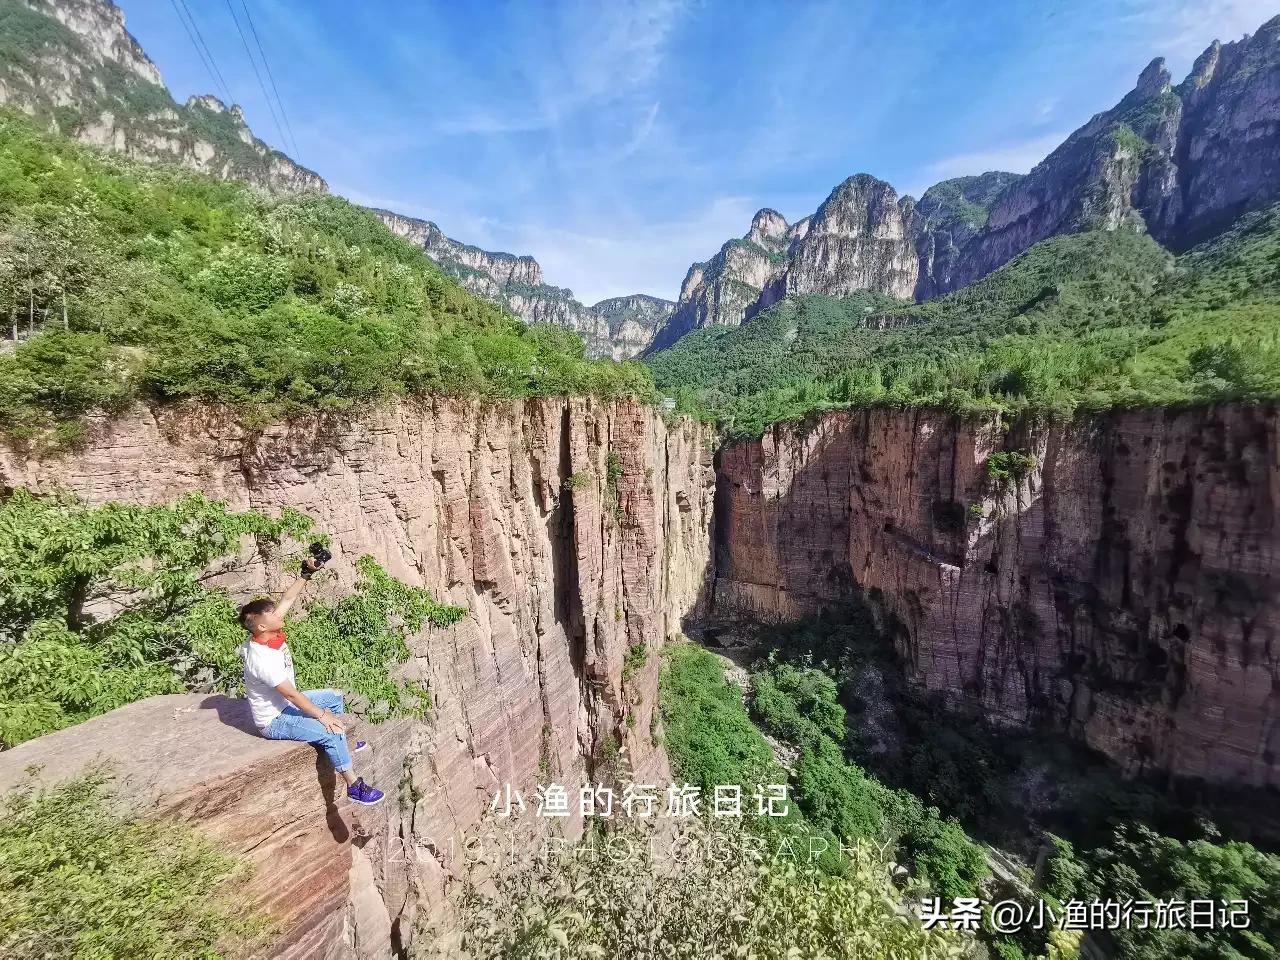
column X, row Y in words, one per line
column 353, row 643
column 104, row 605
column 797, row 703
column 177, row 287
column 1141, row 865
column 732, row 899
column 836, row 795
column 83, row 880
column 1007, row 465
column 709, row 737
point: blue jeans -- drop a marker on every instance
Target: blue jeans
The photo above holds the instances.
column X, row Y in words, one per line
column 293, row 724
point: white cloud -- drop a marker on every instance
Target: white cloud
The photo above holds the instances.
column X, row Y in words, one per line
column 1181, row 29
column 633, row 257
column 1018, row 156
column 576, row 56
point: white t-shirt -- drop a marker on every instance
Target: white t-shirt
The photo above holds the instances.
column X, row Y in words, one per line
column 264, row 670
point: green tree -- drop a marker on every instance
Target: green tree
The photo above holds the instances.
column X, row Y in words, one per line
column 104, row 605
column 1141, row 865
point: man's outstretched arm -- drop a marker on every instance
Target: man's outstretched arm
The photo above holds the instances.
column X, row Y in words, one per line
column 290, row 596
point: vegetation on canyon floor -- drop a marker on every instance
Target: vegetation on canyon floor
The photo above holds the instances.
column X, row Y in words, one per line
column 104, row 605
column 623, row 896
column 872, row 761
column 82, row 879
column 138, row 282
column 1079, row 322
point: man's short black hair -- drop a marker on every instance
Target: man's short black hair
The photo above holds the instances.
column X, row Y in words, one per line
column 255, row 607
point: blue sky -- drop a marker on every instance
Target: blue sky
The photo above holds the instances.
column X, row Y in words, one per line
column 619, row 142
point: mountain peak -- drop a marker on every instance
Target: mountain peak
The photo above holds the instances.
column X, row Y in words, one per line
column 74, row 68
column 1154, row 79
column 767, row 224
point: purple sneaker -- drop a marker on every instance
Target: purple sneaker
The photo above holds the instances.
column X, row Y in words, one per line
column 360, row 745
column 361, row 792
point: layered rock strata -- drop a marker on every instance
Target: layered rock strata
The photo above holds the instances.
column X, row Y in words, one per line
column 1123, row 584
column 574, row 532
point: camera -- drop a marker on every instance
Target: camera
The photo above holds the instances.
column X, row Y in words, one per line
column 320, row 555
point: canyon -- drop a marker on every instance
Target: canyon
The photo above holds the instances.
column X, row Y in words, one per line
column 508, row 510
column 1118, row 582
column 1121, row 585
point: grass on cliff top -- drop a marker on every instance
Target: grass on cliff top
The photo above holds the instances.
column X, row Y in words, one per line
column 178, row 286
column 1087, row 321
column 83, row 880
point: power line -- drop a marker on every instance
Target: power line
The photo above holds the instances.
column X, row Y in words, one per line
column 256, row 72
column 199, row 52
column 202, row 47
column 270, row 76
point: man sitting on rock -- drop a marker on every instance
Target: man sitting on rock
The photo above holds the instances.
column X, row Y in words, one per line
column 280, row 710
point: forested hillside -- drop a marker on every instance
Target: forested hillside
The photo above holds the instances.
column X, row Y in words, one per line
column 1085, row 321
column 121, row 282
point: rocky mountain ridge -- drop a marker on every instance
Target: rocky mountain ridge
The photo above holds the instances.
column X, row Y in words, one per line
column 72, row 65
column 618, row 328
column 1179, row 161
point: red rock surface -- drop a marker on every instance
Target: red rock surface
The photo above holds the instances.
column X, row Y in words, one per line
column 1127, row 590
column 505, row 509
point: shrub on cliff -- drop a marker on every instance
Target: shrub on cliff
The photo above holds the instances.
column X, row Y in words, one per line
column 709, row 737
column 155, row 283
column 800, row 703
column 706, row 895
column 101, row 606
column 83, row 880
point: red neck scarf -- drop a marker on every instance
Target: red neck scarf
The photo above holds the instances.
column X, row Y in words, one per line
column 273, row 639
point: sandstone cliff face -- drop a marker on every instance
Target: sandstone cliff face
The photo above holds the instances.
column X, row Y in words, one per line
column 618, row 328
column 267, row 802
column 85, row 76
column 1126, row 589
column 506, row 510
